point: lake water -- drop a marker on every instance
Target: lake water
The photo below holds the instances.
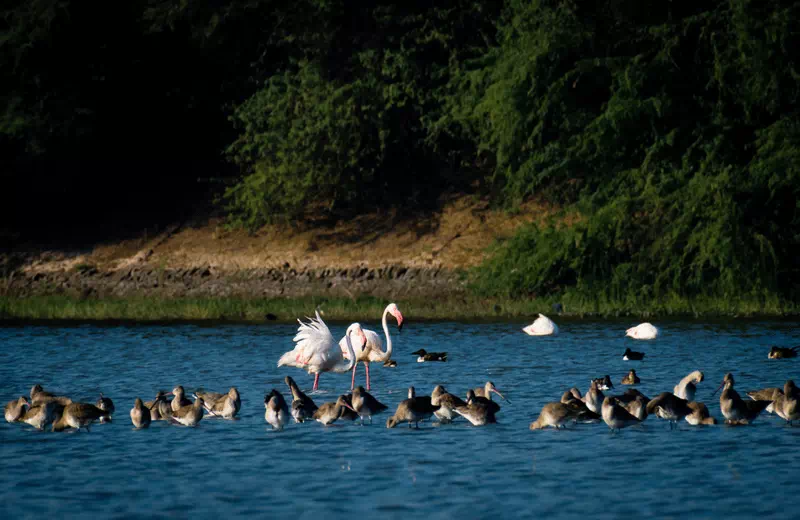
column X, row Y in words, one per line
column 439, row 471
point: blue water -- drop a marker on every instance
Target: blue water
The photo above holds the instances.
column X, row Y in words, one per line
column 243, row 468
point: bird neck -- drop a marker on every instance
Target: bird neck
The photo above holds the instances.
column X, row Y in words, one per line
column 385, row 356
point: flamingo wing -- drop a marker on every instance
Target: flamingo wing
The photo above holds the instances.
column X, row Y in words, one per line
column 315, row 348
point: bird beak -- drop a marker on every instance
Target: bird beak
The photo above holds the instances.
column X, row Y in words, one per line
column 348, row 406
column 717, row 390
column 209, row 410
column 501, row 395
column 399, row 317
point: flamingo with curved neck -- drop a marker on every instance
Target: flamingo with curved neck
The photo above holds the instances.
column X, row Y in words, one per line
column 373, row 351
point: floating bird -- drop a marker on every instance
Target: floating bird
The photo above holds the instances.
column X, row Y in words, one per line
column 316, row 351
column 699, row 415
column 446, row 402
column 107, row 405
column 615, row 416
column 16, row 409
column 642, row 331
column 429, row 356
column 276, row 412
column 213, row 398
column 631, row 355
column 735, row 410
column 781, row 353
column 328, row 413
column 179, row 400
column 39, row 396
column 687, row 388
column 365, row 404
column 140, row 415
column 372, row 351
column 390, row 363
column 478, row 411
column 78, row 415
column 412, row 410
column 555, row 415
column 631, row 378
column 226, row 406
column 603, row 383
column 191, row 414
column 303, row 407
column 41, row 415
column 668, row 406
column 542, row 326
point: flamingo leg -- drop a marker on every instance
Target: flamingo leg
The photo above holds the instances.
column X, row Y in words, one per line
column 366, row 364
column 353, row 381
column 316, row 381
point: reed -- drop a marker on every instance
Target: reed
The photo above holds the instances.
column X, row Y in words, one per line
column 286, row 310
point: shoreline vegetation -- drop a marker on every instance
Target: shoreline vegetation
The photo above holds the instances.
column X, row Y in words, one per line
column 287, row 310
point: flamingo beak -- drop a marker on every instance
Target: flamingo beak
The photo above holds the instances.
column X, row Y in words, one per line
column 501, row 395
column 717, row 390
column 399, row 317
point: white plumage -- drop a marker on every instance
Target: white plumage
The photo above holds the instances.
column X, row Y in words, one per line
column 642, row 331
column 542, row 326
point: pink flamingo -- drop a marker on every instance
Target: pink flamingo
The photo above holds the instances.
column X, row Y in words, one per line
column 373, row 350
column 316, row 350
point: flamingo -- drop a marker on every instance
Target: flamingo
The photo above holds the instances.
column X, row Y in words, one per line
column 643, row 331
column 373, row 350
column 316, row 350
column 542, row 326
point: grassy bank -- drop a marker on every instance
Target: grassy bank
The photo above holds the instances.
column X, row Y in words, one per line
column 286, row 310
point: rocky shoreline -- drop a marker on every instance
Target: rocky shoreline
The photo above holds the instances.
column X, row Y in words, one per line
column 86, row 281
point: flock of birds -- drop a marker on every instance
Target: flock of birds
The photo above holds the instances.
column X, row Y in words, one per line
column 316, row 351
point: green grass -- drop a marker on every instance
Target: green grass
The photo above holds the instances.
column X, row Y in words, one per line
column 60, row 308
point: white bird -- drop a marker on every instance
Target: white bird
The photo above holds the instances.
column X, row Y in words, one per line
column 643, row 331
column 316, row 351
column 542, row 326
column 373, row 350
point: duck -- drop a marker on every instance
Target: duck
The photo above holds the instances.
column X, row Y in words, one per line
column 603, row 383
column 412, row 410
column 276, row 412
column 782, row 353
column 631, row 378
column 429, row 356
column 390, row 363
column 107, row 405
column 478, row 411
column 78, row 415
column 615, row 416
column 328, row 413
column 365, row 404
column 554, row 415
column 631, row 355
column 643, row 331
column 735, row 410
column 140, row 415
column 303, row 407
column 542, row 326
column 16, row 409
column 446, row 402
column 687, row 388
